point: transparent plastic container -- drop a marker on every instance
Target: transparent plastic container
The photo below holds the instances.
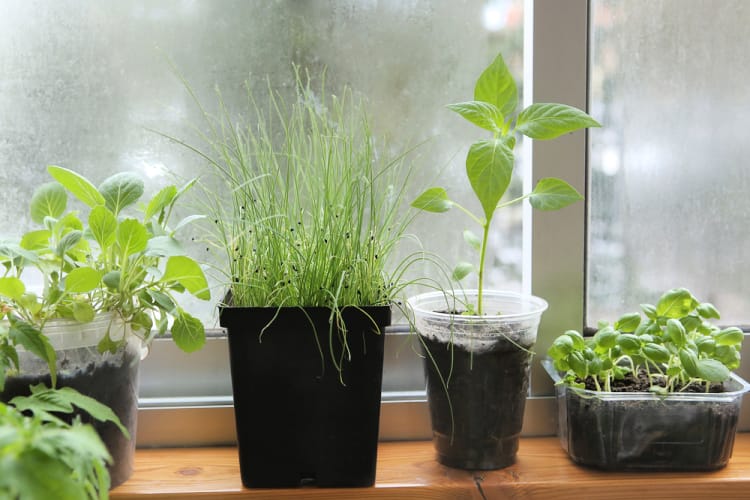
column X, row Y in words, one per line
column 645, row 431
column 477, row 370
column 111, row 379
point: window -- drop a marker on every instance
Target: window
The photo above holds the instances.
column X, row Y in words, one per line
column 82, row 83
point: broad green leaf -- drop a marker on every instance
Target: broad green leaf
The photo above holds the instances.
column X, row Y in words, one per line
column 187, row 273
column 550, row 120
column 83, row 312
column 188, row 333
column 473, row 240
column 497, row 86
column 481, row 114
column 562, row 346
column 462, row 270
column 689, row 362
column 489, row 167
column 629, row 343
column 162, row 300
column 48, row 200
column 12, row 287
column 578, row 341
column 82, row 280
column 729, row 336
column 650, row 311
column 676, row 332
column 112, row 280
column 676, row 303
column 14, row 252
column 606, row 338
column 628, row 323
column 706, row 345
column 656, row 353
column 433, row 200
column 34, row 475
column 160, row 201
column 131, row 236
column 708, row 311
column 103, row 225
column 712, row 370
column 728, row 355
column 67, row 242
column 121, row 190
column 63, row 400
column 164, row 246
column 553, row 194
column 36, row 240
column 35, row 342
column 79, row 186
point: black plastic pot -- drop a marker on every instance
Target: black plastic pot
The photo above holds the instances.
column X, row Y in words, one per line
column 299, row 421
column 645, row 431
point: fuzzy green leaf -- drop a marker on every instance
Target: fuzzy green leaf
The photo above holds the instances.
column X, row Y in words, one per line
column 729, row 336
column 35, row 342
column 48, row 200
column 481, row 114
column 12, row 287
column 79, row 186
column 551, row 120
column 121, row 190
column 433, row 200
column 462, row 270
column 131, row 236
column 160, row 201
column 187, row 273
column 36, row 240
column 164, row 246
column 712, row 370
column 489, row 167
column 62, row 400
column 82, row 280
column 628, row 322
column 497, row 86
column 473, row 240
column 553, row 194
column 676, row 303
column 103, row 224
column 188, row 332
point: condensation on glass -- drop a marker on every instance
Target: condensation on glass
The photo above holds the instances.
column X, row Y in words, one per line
column 669, row 177
column 84, row 85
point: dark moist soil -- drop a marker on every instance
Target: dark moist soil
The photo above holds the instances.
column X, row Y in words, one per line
column 641, row 383
column 111, row 383
column 487, row 393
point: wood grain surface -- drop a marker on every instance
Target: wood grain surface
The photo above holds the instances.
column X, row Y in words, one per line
column 407, row 470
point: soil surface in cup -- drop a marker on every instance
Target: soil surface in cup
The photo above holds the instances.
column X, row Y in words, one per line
column 487, row 394
column 113, row 383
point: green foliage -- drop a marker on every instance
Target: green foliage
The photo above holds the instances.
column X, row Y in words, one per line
column 490, row 162
column 675, row 345
column 45, row 456
column 113, row 262
column 304, row 209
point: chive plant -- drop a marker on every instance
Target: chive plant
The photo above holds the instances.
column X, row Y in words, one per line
column 306, row 211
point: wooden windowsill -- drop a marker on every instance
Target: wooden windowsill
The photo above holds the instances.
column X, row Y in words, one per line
column 408, row 470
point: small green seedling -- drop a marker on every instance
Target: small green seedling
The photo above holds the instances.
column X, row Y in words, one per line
column 490, row 162
column 675, row 345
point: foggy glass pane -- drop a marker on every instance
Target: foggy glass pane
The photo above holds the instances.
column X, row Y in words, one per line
column 669, row 176
column 84, row 84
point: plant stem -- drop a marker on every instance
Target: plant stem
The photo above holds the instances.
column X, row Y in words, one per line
column 482, row 255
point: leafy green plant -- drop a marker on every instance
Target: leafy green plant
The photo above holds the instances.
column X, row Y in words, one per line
column 305, row 210
column 112, row 262
column 45, row 456
column 490, row 162
column 675, row 346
